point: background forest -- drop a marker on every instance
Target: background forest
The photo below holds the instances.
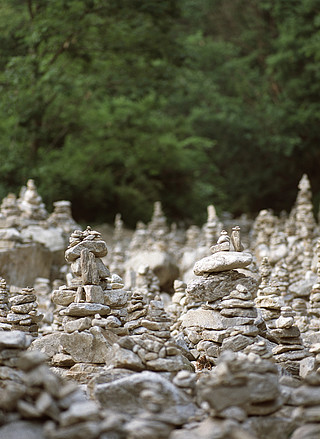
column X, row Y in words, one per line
column 116, row 104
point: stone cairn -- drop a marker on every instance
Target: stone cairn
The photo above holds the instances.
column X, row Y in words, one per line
column 139, row 238
column 34, row 402
column 262, row 230
column 62, row 217
column 9, row 211
column 157, row 227
column 150, row 345
column 238, row 392
column 147, row 282
column 219, row 312
column 211, row 228
column 45, row 306
column 4, row 306
column 23, row 314
column 30, row 203
column 280, row 328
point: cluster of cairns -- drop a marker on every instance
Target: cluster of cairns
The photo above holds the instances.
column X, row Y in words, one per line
column 212, row 332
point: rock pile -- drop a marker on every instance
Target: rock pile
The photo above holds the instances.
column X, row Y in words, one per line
column 30, row 203
column 23, row 315
column 219, row 312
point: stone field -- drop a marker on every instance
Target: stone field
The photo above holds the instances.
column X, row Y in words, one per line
column 211, row 332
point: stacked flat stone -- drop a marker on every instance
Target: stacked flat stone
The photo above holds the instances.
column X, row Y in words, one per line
column 137, row 310
column 239, row 304
column 307, row 398
column 9, row 211
column 23, row 314
column 212, row 227
column 147, row 282
column 219, row 302
column 116, row 298
column 157, row 227
column 62, row 217
column 118, row 229
column 4, row 306
column 12, row 344
column 243, row 389
column 177, row 303
column 30, row 203
column 269, row 302
column 139, row 238
column 92, row 293
column 278, row 248
column 38, row 403
column 46, row 307
column 150, row 346
column 304, row 219
column 262, row 230
column 290, row 349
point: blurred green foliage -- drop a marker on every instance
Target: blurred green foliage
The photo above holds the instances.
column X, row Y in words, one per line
column 114, row 105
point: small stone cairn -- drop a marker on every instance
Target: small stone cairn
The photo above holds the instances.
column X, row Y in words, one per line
column 150, row 345
column 240, row 393
column 62, row 217
column 211, row 228
column 219, row 312
column 23, row 314
column 30, row 203
column 9, row 211
column 157, row 228
column 280, row 324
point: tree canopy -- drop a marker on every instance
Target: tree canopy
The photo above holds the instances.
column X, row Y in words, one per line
column 114, row 105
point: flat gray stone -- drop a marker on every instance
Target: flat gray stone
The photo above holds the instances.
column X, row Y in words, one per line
column 86, row 309
column 222, row 261
column 14, row 339
column 202, row 318
column 98, row 248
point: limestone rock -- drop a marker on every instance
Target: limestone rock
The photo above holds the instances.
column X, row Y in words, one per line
column 218, row 285
column 98, row 248
column 222, row 261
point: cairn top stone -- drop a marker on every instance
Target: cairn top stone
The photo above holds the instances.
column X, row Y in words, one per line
column 222, row 261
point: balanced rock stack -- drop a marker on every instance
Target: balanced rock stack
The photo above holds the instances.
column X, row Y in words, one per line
column 23, row 314
column 177, row 302
column 62, row 217
column 212, row 226
column 147, row 282
column 219, row 302
column 12, row 344
column 242, row 389
column 84, row 304
column 34, row 402
column 290, row 349
column 157, row 227
column 150, row 346
column 4, row 305
column 9, row 211
column 307, row 398
column 30, row 203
